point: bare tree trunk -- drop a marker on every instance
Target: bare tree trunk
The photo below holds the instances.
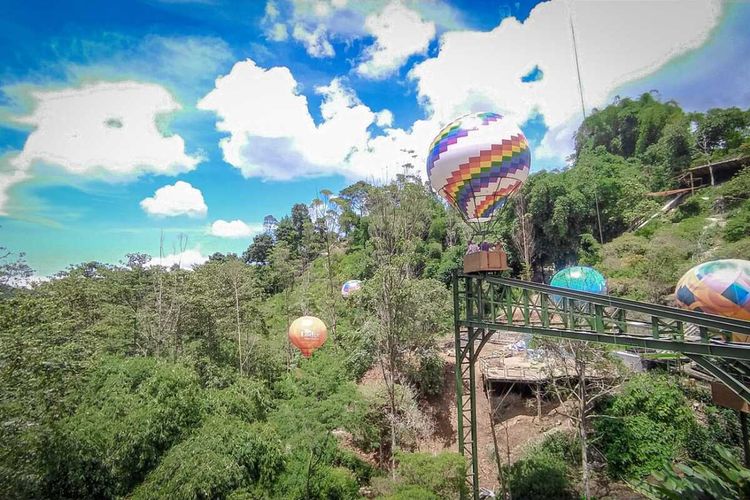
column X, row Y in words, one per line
column 582, row 411
column 237, row 316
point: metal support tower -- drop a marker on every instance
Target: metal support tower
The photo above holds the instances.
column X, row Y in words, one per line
column 485, row 304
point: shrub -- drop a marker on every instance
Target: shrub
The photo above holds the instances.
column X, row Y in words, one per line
column 540, row 475
column 564, row 445
column 428, row 374
column 223, row 455
column 442, row 474
column 738, row 226
column 721, row 477
column 646, row 424
column 132, row 412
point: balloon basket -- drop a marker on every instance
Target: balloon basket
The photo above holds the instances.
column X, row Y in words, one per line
column 484, row 261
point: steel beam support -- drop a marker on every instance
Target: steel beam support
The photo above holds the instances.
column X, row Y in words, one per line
column 459, row 379
column 725, row 377
column 732, row 351
column 595, row 314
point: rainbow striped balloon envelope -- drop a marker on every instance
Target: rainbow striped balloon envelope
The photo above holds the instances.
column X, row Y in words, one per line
column 351, row 287
column 477, row 162
column 718, row 287
column 581, row 278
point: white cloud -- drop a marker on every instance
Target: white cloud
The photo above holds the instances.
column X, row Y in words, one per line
column 319, row 22
column 187, row 259
column 315, row 41
column 234, row 229
column 278, row 32
column 399, row 33
column 181, row 198
column 271, row 132
column 104, row 129
column 618, row 41
column 384, row 118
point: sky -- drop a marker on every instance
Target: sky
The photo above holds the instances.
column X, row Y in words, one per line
column 124, row 124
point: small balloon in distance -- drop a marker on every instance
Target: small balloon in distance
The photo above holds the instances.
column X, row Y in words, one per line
column 350, row 287
column 307, row 334
column 720, row 287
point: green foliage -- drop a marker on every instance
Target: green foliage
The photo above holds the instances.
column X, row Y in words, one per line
column 538, row 476
column 646, row 424
column 737, row 190
column 427, row 373
column 723, row 476
column 424, row 475
column 223, row 455
column 132, row 412
column 738, row 227
column 563, row 445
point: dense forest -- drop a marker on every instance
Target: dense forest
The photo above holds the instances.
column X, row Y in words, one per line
column 134, row 380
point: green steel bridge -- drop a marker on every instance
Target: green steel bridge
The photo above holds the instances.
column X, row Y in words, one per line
column 484, row 304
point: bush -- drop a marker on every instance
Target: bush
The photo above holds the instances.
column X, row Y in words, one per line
column 564, row 445
column 442, row 474
column 428, row 375
column 647, row 424
column 540, row 475
column 721, row 477
column 132, row 412
column 223, row 455
column 738, row 226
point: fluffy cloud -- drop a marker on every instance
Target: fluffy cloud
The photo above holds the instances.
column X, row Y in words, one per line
column 104, row 129
column 178, row 199
column 271, row 132
column 187, row 259
column 315, row 41
column 234, row 229
column 617, row 42
column 315, row 23
column 399, row 32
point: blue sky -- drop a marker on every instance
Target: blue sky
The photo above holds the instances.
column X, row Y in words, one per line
column 130, row 119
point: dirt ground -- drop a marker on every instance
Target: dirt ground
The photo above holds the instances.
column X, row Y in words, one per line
column 518, row 424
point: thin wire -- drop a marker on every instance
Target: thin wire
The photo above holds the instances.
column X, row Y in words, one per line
column 578, row 67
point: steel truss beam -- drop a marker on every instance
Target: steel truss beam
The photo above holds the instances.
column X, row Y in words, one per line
column 485, row 304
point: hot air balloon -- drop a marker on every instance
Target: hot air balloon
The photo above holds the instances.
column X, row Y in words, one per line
column 475, row 163
column 718, row 287
column 350, row 287
column 581, row 278
column 307, row 334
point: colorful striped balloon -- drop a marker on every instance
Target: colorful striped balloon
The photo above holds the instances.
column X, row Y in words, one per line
column 476, row 162
column 718, row 287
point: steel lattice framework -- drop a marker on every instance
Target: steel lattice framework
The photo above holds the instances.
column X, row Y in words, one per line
column 484, row 304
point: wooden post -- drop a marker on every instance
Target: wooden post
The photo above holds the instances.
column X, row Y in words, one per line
column 692, row 184
column 711, row 171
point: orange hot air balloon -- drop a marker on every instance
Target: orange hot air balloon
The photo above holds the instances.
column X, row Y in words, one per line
column 307, row 334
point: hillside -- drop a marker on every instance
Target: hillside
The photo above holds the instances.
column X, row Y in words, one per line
column 139, row 381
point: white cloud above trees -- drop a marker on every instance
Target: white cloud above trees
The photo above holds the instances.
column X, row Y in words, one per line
column 234, row 229
column 180, row 198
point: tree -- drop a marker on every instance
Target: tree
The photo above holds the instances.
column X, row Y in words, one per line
column 14, row 271
column 583, row 373
column 259, row 250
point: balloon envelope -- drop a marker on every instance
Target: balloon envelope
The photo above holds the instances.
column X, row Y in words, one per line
column 476, row 162
column 307, row 334
column 350, row 287
column 581, row 278
column 718, row 287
